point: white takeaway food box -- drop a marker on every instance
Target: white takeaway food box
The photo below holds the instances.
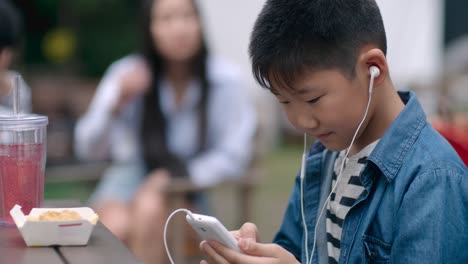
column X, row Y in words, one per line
column 47, row 233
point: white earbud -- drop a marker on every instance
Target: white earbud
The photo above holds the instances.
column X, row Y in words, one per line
column 374, row 71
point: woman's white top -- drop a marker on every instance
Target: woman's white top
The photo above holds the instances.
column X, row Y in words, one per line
column 230, row 133
column 6, row 102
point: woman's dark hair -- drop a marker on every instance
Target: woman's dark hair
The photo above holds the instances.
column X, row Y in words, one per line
column 9, row 25
column 153, row 129
column 292, row 36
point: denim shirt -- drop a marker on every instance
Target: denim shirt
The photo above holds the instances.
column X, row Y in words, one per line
column 414, row 208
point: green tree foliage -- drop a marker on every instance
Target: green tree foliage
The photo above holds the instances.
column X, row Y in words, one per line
column 103, row 30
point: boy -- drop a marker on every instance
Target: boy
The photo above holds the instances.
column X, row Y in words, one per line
column 399, row 193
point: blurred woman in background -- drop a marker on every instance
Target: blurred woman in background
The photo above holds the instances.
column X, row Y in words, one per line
column 171, row 111
column 10, row 28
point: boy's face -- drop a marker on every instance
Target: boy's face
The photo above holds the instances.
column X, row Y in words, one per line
column 326, row 105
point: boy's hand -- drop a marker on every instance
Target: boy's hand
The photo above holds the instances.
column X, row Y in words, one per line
column 254, row 252
column 248, row 230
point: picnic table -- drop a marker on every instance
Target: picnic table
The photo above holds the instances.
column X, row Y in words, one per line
column 103, row 247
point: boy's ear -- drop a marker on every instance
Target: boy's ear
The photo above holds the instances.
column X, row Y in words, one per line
column 373, row 57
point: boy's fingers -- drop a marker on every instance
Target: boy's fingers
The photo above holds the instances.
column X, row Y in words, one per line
column 236, row 234
column 230, row 255
column 213, row 256
column 251, row 247
column 249, row 230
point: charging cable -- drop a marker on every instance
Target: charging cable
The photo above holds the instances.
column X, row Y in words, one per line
column 165, row 230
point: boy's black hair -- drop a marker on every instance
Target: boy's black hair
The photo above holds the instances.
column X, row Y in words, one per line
column 9, row 25
column 291, row 36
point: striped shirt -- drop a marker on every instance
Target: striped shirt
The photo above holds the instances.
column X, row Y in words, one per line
column 347, row 191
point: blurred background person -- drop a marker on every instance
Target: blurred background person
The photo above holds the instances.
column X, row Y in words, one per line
column 10, row 25
column 172, row 110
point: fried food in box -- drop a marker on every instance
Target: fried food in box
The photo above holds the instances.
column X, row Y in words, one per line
column 65, row 215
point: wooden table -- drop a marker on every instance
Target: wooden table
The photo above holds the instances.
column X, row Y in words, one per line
column 103, row 247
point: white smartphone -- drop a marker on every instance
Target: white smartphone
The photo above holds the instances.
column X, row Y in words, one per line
column 209, row 228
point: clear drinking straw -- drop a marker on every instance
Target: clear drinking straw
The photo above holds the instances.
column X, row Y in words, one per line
column 16, row 93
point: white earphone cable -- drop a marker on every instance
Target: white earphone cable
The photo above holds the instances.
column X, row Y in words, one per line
column 371, row 85
column 165, row 230
column 304, row 223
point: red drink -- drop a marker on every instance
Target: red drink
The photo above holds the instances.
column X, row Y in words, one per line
column 21, row 178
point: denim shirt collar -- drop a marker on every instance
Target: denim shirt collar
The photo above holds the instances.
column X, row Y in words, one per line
column 393, row 147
